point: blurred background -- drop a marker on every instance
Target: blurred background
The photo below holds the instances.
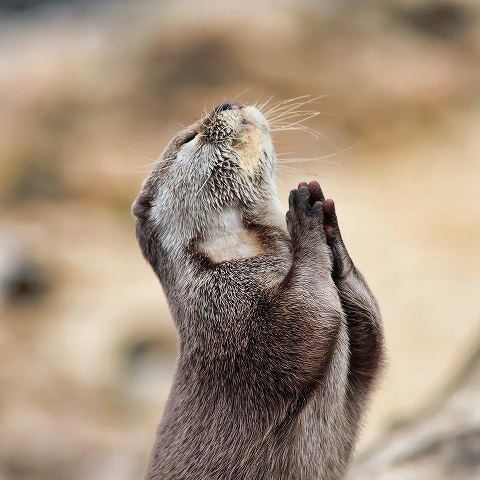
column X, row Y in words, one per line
column 91, row 91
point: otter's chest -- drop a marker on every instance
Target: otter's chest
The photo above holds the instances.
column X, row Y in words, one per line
column 230, row 239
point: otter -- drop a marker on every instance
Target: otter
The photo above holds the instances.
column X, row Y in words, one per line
column 280, row 338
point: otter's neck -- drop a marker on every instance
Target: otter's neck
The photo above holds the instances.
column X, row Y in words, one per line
column 229, row 239
column 234, row 235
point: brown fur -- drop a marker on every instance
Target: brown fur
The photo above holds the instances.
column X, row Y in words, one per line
column 278, row 351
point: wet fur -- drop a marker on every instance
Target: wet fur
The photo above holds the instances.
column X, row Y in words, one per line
column 277, row 351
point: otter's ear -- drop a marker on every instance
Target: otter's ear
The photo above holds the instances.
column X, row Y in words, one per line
column 143, row 203
column 141, row 206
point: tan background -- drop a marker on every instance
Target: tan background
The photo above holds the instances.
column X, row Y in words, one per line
column 91, row 92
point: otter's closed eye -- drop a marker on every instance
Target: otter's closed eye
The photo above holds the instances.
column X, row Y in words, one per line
column 189, row 138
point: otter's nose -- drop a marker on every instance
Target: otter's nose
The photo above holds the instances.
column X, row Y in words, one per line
column 228, row 106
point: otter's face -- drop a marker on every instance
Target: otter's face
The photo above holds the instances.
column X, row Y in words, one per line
column 225, row 160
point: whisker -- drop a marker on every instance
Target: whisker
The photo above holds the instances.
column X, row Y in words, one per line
column 296, row 161
column 297, row 128
column 296, row 170
column 204, row 183
column 294, row 108
column 287, row 107
column 294, row 111
column 321, row 158
column 305, row 114
column 304, row 128
column 265, row 103
column 303, row 118
column 241, row 93
column 294, row 114
column 141, row 155
column 140, row 167
column 285, row 102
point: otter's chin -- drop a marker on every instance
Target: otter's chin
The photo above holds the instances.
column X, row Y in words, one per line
column 250, row 148
column 252, row 117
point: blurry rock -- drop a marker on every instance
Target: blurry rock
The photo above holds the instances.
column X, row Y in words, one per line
column 444, row 20
column 441, row 443
column 20, row 6
column 22, row 280
column 26, row 283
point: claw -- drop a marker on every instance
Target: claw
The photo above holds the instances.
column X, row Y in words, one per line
column 329, row 207
column 330, row 225
column 291, row 199
column 316, row 193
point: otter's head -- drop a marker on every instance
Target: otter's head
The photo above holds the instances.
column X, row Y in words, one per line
column 224, row 161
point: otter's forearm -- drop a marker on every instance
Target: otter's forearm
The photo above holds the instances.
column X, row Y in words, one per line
column 309, row 312
column 365, row 330
column 358, row 303
column 360, row 307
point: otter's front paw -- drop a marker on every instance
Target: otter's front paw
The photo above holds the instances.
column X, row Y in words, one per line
column 342, row 264
column 305, row 216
